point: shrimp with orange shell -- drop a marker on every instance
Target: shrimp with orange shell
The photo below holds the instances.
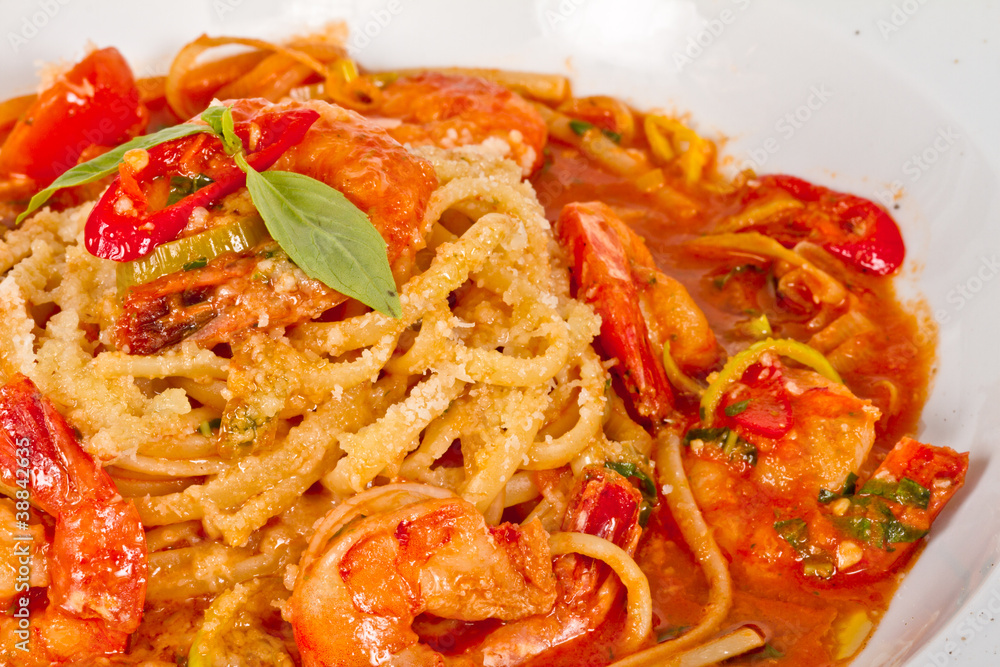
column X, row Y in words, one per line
column 95, row 561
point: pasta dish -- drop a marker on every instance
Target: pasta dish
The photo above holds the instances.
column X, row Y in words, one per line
column 306, row 364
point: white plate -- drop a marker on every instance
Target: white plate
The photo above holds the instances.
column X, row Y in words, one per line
column 870, row 97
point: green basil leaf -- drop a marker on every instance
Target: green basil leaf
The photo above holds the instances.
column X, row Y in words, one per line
column 612, row 135
column 794, row 531
column 912, row 493
column 706, row 434
column 220, row 118
column 826, row 496
column 632, row 470
column 734, row 409
column 850, row 485
column 579, row 127
column 905, row 492
column 213, row 116
column 182, row 186
column 857, row 527
column 107, row 164
column 326, row 235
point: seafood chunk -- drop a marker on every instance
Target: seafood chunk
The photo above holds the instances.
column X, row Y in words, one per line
column 450, row 110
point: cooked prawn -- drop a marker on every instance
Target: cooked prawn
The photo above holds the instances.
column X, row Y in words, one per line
column 96, row 561
column 606, row 505
column 233, row 292
column 788, row 503
column 364, row 580
column 640, row 307
column 451, row 110
column 393, row 553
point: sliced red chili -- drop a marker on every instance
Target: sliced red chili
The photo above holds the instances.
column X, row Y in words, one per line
column 96, row 103
column 758, row 403
column 134, row 215
column 857, row 230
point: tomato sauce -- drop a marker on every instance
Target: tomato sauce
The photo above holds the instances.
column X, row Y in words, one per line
column 800, row 622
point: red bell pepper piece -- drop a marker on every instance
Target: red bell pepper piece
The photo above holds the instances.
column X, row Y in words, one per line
column 94, row 104
column 767, row 410
column 854, row 228
column 132, row 217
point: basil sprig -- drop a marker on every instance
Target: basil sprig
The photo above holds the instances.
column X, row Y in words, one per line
column 327, row 236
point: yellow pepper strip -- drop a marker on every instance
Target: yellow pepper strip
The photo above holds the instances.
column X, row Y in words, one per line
column 755, row 243
column 755, row 215
column 738, row 364
column 758, row 327
column 191, row 252
column 677, row 378
column 852, row 633
column 670, row 139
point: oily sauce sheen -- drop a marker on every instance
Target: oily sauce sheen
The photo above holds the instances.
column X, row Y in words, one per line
column 798, row 622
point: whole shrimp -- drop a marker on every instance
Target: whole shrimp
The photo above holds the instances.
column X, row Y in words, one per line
column 450, row 110
column 393, row 553
column 96, row 560
column 641, row 308
column 234, row 291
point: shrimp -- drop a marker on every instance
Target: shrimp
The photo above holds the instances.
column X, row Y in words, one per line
column 603, row 504
column 641, row 308
column 449, row 110
column 95, row 564
column 234, row 292
column 779, row 486
column 393, row 553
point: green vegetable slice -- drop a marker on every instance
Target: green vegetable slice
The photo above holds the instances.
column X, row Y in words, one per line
column 191, row 252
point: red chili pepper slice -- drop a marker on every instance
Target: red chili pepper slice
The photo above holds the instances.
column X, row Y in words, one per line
column 94, row 104
column 133, row 217
column 855, row 229
column 759, row 403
